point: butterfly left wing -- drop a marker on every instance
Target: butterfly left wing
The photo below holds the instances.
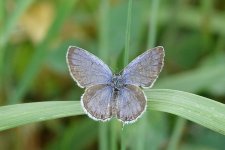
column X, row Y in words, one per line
column 131, row 104
column 97, row 101
column 86, row 69
column 144, row 70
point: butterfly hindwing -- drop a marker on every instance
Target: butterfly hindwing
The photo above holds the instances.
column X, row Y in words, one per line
column 131, row 103
column 96, row 102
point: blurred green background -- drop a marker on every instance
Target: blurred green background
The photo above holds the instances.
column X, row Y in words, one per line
column 35, row 35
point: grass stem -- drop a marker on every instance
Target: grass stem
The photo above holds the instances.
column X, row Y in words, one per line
column 127, row 40
column 126, row 58
column 103, row 53
column 152, row 32
column 176, row 135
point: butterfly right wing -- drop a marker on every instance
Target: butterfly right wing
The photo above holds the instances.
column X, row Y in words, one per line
column 86, row 69
column 131, row 104
column 144, row 70
column 97, row 102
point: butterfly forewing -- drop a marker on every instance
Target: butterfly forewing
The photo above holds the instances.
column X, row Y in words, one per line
column 144, row 70
column 97, row 102
column 86, row 69
column 131, row 103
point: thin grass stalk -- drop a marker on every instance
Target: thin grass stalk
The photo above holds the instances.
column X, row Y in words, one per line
column 2, row 19
column 123, row 138
column 126, row 58
column 103, row 53
column 152, row 32
column 113, row 135
column 103, row 136
column 177, row 133
column 127, row 40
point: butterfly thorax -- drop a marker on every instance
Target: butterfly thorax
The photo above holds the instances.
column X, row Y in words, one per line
column 117, row 82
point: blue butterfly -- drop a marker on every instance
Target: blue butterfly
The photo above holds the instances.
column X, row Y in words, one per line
column 110, row 95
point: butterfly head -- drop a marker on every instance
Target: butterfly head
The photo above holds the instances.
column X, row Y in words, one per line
column 117, row 82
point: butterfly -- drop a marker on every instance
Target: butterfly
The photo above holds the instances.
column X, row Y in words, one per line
column 110, row 95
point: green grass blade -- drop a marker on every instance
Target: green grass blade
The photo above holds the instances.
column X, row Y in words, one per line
column 201, row 110
column 20, row 114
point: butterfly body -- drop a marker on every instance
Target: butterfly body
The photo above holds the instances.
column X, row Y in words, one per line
column 117, row 82
column 110, row 95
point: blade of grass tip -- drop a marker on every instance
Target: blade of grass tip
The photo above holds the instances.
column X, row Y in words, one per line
column 8, row 25
column 189, row 106
column 41, row 51
column 126, row 58
column 103, row 52
column 152, row 32
column 193, row 88
column 176, row 135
